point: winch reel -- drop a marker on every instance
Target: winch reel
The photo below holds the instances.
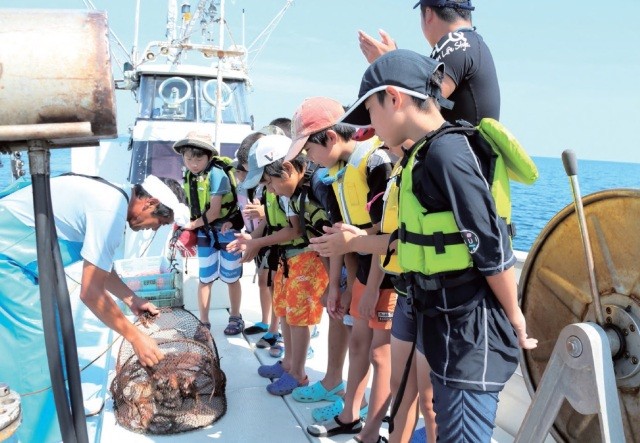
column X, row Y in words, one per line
column 555, row 292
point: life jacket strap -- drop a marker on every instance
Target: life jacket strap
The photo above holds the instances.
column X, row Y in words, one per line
column 441, row 280
column 438, row 240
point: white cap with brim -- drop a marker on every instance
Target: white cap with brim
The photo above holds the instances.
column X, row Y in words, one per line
column 407, row 71
column 265, row 151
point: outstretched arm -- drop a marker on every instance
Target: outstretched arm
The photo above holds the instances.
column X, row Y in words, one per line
column 93, row 293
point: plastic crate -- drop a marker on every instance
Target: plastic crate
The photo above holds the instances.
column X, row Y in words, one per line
column 135, row 267
column 148, row 274
column 162, row 299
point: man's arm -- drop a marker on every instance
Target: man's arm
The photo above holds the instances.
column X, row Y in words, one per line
column 93, row 294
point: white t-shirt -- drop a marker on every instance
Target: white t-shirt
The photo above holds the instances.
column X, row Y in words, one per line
column 85, row 211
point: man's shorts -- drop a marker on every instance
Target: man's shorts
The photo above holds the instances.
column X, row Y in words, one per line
column 297, row 298
column 384, row 308
column 216, row 263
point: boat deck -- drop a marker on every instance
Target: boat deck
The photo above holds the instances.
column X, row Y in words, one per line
column 252, row 414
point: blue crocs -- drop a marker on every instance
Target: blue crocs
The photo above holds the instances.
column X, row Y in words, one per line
column 285, row 384
column 326, row 413
column 272, row 371
column 316, row 392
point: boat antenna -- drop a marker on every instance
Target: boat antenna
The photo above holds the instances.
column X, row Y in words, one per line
column 260, row 41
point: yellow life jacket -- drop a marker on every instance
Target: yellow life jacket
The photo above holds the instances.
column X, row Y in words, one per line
column 350, row 186
column 431, row 243
column 389, row 222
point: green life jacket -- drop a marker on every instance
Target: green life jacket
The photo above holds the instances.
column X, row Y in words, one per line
column 277, row 219
column 197, row 188
column 310, row 211
column 431, row 243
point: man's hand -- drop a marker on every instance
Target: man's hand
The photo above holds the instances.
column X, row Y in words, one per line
column 372, row 48
column 147, row 350
column 141, row 305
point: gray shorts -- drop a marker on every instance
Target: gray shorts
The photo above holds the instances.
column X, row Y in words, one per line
column 403, row 326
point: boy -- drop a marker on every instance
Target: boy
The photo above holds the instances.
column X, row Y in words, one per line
column 469, row 322
column 253, row 212
column 211, row 196
column 301, row 278
column 358, row 172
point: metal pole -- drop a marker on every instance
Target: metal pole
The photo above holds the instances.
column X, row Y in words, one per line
column 571, row 167
column 219, row 79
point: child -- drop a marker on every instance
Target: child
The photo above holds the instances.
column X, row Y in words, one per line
column 253, row 212
column 211, row 196
column 301, row 278
column 359, row 172
column 469, row 322
column 343, row 238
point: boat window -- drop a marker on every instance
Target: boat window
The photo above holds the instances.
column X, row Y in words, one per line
column 233, row 101
column 167, row 98
column 159, row 158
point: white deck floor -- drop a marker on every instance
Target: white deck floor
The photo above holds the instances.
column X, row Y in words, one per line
column 253, row 414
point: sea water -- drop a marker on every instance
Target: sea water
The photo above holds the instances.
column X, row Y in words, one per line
column 533, row 206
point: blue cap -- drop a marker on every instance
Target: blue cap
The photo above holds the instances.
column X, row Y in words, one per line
column 407, row 71
column 445, row 4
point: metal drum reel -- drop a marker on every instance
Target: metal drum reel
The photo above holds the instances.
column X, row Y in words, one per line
column 554, row 292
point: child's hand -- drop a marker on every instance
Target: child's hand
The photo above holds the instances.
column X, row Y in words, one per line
column 226, row 226
column 253, row 210
column 527, row 342
column 368, row 302
column 240, row 243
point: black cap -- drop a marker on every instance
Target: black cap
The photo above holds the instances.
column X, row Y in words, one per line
column 445, row 4
column 407, row 71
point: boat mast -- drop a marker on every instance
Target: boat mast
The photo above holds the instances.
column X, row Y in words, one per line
column 136, row 30
column 219, row 78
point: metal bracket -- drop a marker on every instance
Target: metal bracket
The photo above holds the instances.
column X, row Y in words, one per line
column 580, row 370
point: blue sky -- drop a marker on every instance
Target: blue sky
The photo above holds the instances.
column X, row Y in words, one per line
column 567, row 69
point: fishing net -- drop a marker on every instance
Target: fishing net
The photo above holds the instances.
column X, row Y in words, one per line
column 185, row 391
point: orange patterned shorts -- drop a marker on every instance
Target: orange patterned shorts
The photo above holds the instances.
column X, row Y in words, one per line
column 297, row 298
column 384, row 308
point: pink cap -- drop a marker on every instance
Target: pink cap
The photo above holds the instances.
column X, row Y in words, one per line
column 313, row 115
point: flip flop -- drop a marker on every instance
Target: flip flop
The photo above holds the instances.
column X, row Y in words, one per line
column 333, row 427
column 285, row 384
column 316, row 392
column 325, row 413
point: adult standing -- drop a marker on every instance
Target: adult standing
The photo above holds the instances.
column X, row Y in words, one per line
column 90, row 227
column 470, row 79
